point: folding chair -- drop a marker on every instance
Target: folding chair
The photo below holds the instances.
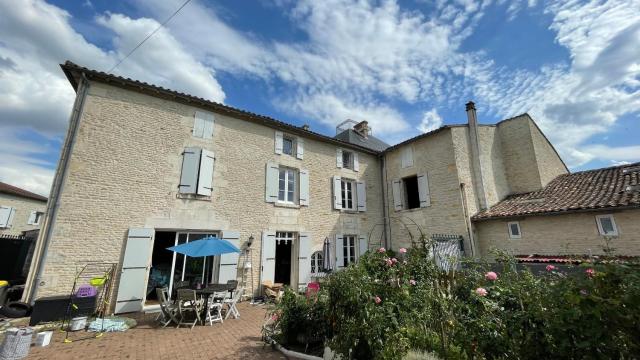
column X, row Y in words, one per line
column 231, row 304
column 214, row 309
column 168, row 311
column 188, row 303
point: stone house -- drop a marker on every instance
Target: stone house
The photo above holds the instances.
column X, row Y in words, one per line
column 144, row 168
column 20, row 210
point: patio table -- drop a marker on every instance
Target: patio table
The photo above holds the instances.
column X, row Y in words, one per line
column 211, row 289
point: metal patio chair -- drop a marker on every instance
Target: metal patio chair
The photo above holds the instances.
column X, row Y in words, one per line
column 168, row 311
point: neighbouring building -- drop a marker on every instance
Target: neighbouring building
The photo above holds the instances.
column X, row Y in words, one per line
column 588, row 212
column 20, row 210
column 144, row 168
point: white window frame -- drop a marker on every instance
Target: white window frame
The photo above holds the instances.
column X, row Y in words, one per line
column 288, row 172
column 286, row 138
column 511, row 234
column 349, row 251
column 613, row 223
column 343, row 193
column 349, row 164
column 39, row 215
column 317, row 262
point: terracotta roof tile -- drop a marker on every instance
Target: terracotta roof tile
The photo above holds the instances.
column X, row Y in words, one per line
column 12, row 190
column 612, row 187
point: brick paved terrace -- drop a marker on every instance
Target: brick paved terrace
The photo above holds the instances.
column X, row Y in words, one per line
column 235, row 339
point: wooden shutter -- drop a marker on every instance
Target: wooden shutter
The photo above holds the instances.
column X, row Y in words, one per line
column 363, row 244
column 337, row 192
column 339, row 158
column 135, row 265
column 361, row 194
column 304, row 259
column 205, row 179
column 356, row 163
column 189, row 175
column 271, row 182
column 268, row 267
column 300, row 148
column 304, row 187
column 397, row 194
column 339, row 251
column 229, row 262
column 203, row 125
column 279, row 142
column 423, row 190
column 407, row 156
column 32, row 218
column 5, row 215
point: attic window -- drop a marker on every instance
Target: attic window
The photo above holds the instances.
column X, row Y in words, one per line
column 606, row 225
column 514, row 230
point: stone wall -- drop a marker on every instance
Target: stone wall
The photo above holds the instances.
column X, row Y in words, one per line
column 24, row 207
column 567, row 234
column 125, row 170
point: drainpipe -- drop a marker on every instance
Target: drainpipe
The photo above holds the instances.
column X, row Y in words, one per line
column 386, row 227
column 476, row 165
column 40, row 251
column 467, row 219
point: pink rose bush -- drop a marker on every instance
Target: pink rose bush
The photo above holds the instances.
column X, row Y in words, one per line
column 402, row 251
column 590, row 272
column 550, row 268
column 412, row 282
column 491, row 276
column 382, row 250
column 481, row 291
column 377, row 299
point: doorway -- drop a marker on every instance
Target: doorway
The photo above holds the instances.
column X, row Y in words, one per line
column 283, row 261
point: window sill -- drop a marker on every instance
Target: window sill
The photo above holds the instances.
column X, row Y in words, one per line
column 286, row 205
column 413, row 210
column 349, row 211
column 193, row 197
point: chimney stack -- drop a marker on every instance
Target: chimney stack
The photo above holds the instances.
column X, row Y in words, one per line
column 362, row 128
column 305, row 127
column 476, row 164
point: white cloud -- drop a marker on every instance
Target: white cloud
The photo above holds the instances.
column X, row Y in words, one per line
column 35, row 37
column 431, row 120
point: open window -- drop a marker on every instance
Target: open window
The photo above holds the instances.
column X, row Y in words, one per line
column 35, row 217
column 606, row 225
column 287, row 185
column 288, row 145
column 411, row 192
column 347, row 159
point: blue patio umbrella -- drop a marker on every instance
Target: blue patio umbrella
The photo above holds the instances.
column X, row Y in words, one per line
column 208, row 246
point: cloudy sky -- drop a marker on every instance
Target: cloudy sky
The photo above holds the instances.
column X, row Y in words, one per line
column 405, row 66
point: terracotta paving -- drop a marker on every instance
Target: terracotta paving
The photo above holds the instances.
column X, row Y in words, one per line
column 234, row 339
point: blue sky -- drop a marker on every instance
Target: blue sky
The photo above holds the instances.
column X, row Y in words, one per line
column 405, row 66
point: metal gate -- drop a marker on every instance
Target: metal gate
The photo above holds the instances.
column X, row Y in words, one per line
column 447, row 249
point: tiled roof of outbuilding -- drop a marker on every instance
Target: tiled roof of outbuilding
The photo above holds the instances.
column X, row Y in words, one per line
column 16, row 191
column 607, row 188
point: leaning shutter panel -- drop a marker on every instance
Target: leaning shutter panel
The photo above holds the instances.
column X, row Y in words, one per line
column 423, row 190
column 135, row 264
column 397, row 194
column 356, row 163
column 407, row 157
column 339, row 251
column 271, row 187
column 229, row 262
column 268, row 256
column 205, row 179
column 32, row 218
column 339, row 158
column 300, row 148
column 279, row 142
column 190, row 165
column 337, row 193
column 363, row 244
column 4, row 216
column 304, row 259
column 361, row 194
column 304, row 187
column 207, row 131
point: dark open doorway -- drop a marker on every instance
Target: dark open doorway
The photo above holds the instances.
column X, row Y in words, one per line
column 283, row 262
column 161, row 259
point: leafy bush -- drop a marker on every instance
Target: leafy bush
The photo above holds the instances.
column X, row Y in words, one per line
column 389, row 304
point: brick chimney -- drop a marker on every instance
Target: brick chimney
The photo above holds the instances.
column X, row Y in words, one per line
column 476, row 163
column 362, row 128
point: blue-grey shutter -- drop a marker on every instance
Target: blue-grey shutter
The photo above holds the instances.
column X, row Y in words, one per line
column 229, row 262
column 304, row 259
column 5, row 214
column 190, row 166
column 339, row 251
column 268, row 266
column 271, row 182
column 300, row 148
column 203, row 125
column 205, row 179
column 356, row 163
column 304, row 187
column 135, row 265
column 279, row 142
column 361, row 194
column 397, row 194
column 423, row 190
column 363, row 245
column 337, row 192
column 339, row 158
column 32, row 218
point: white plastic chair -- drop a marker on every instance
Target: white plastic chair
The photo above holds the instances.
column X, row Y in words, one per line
column 214, row 310
column 231, row 304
